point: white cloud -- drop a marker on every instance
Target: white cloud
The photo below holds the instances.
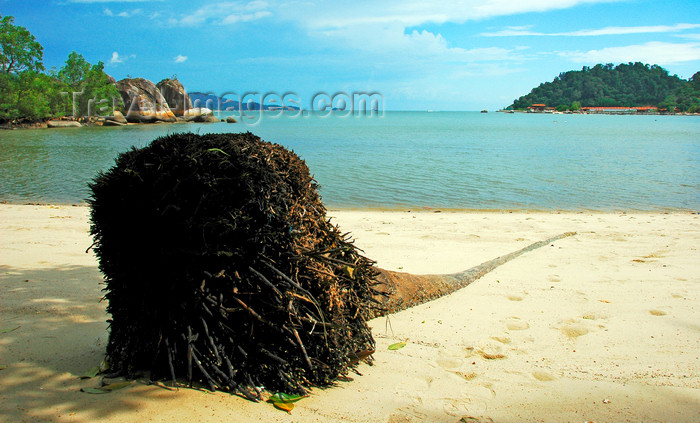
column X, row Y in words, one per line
column 116, row 58
column 180, row 58
column 124, row 14
column 113, row 1
column 333, row 14
column 389, row 45
column 383, row 28
column 128, row 14
column 225, row 13
column 690, row 36
column 611, row 30
column 245, row 17
column 655, row 52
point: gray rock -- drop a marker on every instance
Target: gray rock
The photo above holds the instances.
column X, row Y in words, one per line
column 200, row 114
column 175, row 95
column 118, row 117
column 113, row 123
column 63, row 124
column 143, row 101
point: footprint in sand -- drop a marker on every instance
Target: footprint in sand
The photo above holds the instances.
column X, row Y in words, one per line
column 454, row 405
column 554, row 278
column 449, row 363
column 514, row 323
column 593, row 316
column 515, row 298
column 467, row 375
column 657, row 312
column 488, row 349
column 474, row 401
column 543, row 376
column 574, row 328
column 501, row 339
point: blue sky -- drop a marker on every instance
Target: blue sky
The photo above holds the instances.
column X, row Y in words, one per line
column 450, row 55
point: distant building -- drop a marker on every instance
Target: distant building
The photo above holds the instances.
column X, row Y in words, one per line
column 620, row 110
column 540, row 108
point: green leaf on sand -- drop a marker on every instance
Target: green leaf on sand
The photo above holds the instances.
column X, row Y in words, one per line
column 281, row 397
column 284, row 406
column 397, row 346
column 94, row 371
column 9, row 330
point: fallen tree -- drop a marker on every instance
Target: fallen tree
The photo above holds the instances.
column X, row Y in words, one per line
column 222, row 269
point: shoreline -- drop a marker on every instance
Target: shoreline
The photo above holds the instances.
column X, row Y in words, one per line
column 43, row 124
column 601, row 326
column 425, row 209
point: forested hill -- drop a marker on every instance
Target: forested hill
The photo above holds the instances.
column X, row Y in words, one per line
column 632, row 84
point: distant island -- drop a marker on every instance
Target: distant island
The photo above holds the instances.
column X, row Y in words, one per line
column 229, row 104
column 630, row 87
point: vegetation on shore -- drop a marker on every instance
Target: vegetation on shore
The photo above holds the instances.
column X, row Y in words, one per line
column 627, row 85
column 29, row 94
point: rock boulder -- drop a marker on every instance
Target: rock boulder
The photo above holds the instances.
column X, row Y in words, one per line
column 63, row 124
column 175, row 95
column 200, row 114
column 143, row 101
column 118, row 117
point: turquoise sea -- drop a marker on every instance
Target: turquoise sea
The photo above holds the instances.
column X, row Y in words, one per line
column 402, row 160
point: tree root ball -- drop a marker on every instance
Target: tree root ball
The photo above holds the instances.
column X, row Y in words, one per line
column 222, row 269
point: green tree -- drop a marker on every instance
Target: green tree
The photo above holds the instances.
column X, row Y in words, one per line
column 19, row 50
column 630, row 84
column 30, row 96
column 94, row 91
column 75, row 70
column 100, row 90
column 21, row 57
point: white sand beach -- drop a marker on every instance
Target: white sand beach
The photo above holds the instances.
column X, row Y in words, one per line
column 603, row 326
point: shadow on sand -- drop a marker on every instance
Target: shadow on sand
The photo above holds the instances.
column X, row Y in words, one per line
column 52, row 330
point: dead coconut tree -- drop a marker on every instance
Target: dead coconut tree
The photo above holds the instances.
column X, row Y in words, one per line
column 222, row 269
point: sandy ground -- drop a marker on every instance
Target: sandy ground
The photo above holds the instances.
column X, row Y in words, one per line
column 603, row 326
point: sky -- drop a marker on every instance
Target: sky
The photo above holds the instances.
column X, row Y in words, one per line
column 416, row 54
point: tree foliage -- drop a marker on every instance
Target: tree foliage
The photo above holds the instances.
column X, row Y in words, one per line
column 631, row 84
column 94, row 91
column 19, row 50
column 28, row 94
column 685, row 98
column 75, row 70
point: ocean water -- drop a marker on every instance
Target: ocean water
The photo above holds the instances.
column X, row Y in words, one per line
column 413, row 160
